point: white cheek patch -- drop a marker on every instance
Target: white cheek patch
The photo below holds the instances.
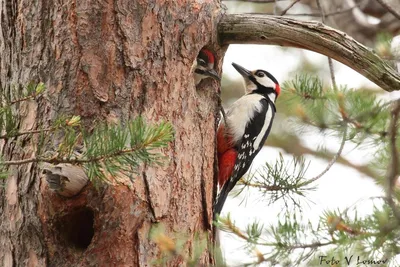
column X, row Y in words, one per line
column 265, row 81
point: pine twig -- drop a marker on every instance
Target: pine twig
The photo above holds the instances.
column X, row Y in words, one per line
column 263, row 186
column 75, row 161
column 23, row 99
column 83, row 161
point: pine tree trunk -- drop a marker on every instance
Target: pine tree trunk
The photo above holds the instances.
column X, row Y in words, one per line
column 108, row 60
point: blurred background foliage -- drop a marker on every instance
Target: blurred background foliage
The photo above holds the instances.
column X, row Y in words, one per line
column 361, row 116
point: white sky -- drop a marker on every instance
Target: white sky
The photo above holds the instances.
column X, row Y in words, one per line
column 338, row 189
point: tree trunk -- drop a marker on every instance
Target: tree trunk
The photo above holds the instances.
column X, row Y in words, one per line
column 108, row 60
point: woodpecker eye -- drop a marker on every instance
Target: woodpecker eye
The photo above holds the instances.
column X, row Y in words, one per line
column 201, row 62
column 260, row 74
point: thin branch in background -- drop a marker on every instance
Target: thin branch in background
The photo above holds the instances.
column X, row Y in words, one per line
column 263, row 186
column 256, row 1
column 275, row 8
column 297, row 14
column 23, row 99
column 389, row 8
column 4, row 136
column 319, row 14
column 337, row 155
column 330, row 62
column 332, row 72
column 393, row 170
column 289, row 7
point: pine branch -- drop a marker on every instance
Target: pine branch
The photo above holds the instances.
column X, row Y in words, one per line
column 280, row 180
column 79, row 161
column 314, row 36
column 264, row 186
column 365, row 114
column 108, row 149
column 292, row 145
column 33, row 92
column 227, row 225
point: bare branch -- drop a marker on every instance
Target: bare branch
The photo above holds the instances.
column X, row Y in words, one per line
column 256, row 1
column 314, row 36
column 393, row 170
column 330, row 62
column 337, row 155
column 4, row 136
column 289, row 7
column 316, row 14
column 390, row 8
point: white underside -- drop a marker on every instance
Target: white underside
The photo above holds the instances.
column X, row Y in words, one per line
column 241, row 112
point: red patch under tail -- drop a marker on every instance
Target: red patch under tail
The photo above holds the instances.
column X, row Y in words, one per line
column 226, row 162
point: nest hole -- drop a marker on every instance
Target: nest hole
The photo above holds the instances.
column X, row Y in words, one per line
column 76, row 228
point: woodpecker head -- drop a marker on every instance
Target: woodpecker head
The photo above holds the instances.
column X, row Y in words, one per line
column 204, row 66
column 259, row 81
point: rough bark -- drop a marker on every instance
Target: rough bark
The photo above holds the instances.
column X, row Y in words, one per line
column 314, row 36
column 107, row 60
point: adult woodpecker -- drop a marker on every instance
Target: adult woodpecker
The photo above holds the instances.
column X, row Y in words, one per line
column 204, row 66
column 248, row 123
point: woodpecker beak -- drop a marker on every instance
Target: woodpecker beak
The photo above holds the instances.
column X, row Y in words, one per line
column 213, row 74
column 244, row 72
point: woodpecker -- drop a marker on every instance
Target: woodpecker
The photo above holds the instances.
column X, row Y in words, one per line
column 248, row 123
column 204, row 66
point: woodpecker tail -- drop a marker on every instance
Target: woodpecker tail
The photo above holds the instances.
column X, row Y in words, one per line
column 221, row 198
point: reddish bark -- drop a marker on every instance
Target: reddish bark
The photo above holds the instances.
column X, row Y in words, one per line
column 108, row 60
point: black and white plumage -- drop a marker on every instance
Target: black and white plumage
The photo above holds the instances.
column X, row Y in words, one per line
column 249, row 121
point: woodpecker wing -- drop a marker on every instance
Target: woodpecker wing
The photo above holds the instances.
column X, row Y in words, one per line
column 255, row 134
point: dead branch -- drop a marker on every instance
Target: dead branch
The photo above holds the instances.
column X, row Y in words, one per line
column 314, row 36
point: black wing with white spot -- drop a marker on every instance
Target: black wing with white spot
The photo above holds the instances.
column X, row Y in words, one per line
column 255, row 134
